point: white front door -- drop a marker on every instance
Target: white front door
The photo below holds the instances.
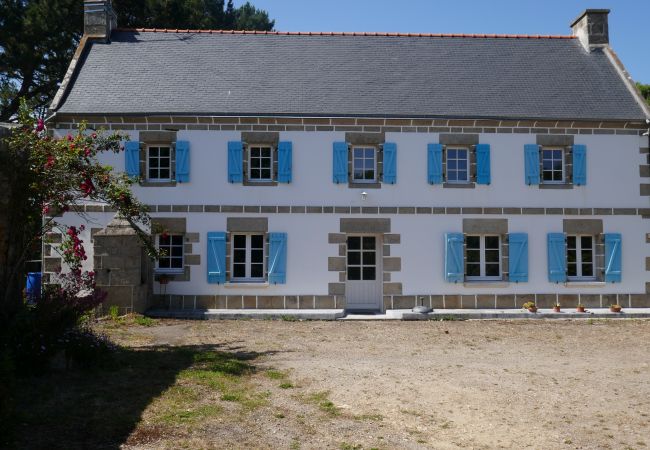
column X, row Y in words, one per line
column 364, row 286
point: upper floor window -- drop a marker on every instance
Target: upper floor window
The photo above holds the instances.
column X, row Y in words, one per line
column 483, row 255
column 171, row 247
column 553, row 165
column 457, row 165
column 260, row 167
column 159, row 163
column 364, row 165
column 580, row 257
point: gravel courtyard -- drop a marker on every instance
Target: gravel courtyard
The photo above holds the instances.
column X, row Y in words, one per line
column 473, row 384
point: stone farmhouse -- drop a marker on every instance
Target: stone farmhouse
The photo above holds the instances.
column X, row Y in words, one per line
column 366, row 171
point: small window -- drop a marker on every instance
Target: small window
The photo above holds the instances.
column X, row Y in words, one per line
column 483, row 255
column 260, row 163
column 362, row 258
column 552, row 165
column 248, row 257
column 580, row 257
column 171, row 246
column 364, row 164
column 457, row 165
column 159, row 163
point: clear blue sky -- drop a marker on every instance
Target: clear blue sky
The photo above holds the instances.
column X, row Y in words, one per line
column 629, row 28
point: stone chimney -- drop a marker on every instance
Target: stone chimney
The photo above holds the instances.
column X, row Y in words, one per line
column 591, row 28
column 99, row 19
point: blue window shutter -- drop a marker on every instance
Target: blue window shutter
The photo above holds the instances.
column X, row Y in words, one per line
column 183, row 161
column 390, row 162
column 613, row 260
column 278, row 258
column 518, row 256
column 556, row 257
column 132, row 158
column 216, row 257
column 580, row 165
column 340, row 162
column 483, row 164
column 235, row 158
column 285, row 150
column 454, row 258
column 434, row 163
column 531, row 161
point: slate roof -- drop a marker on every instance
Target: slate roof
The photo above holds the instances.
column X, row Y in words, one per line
column 220, row 73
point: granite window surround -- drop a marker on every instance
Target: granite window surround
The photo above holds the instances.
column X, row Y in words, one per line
column 191, row 252
column 594, row 228
column 252, row 140
column 488, row 227
column 459, row 141
column 157, row 139
column 247, row 226
column 552, row 142
column 366, row 140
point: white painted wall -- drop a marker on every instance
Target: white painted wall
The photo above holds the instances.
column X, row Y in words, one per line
column 613, row 181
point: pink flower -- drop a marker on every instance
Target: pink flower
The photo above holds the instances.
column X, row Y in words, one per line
column 40, row 125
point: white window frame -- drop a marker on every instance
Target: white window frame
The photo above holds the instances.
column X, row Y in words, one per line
column 247, row 277
column 578, row 250
column 482, row 276
column 467, row 170
column 563, row 152
column 181, row 269
column 249, row 149
column 375, row 157
column 148, row 158
column 362, row 264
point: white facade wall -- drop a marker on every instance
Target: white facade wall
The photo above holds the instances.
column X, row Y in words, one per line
column 613, row 181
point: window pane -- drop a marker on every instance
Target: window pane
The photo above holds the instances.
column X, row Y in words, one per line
column 266, row 163
column 163, row 263
column 257, row 270
column 257, row 256
column 256, row 174
column 354, row 243
column 451, row 164
column 473, row 270
column 547, row 164
column 177, row 263
column 571, row 241
column 451, row 153
column 492, row 242
column 492, row 270
column 451, row 176
column 266, row 174
column 239, row 256
column 571, row 256
column 473, row 241
column 587, row 270
column 369, row 175
column 370, row 153
column 255, row 163
column 585, row 241
column 462, row 164
column 164, row 173
column 239, row 241
column 358, row 153
column 266, row 152
column 255, row 152
column 572, row 270
column 492, row 256
column 368, row 243
column 177, row 251
column 164, row 240
column 257, row 241
column 548, row 176
column 586, row 256
column 164, row 151
column 368, row 273
column 473, row 256
column 354, row 258
column 239, row 270
column 369, row 258
column 354, row 273
column 358, row 174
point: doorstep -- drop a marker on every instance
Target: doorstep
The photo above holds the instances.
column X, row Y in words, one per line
column 230, row 314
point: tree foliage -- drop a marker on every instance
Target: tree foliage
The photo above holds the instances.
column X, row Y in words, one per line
column 38, row 37
column 645, row 91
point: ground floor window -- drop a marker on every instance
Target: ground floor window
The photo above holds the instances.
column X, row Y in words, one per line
column 483, row 255
column 580, row 257
column 247, row 257
column 171, row 248
column 362, row 258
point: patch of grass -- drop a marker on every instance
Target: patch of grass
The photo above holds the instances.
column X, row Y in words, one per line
column 370, row 417
column 145, row 321
column 286, row 385
column 232, row 397
column 324, row 403
column 114, row 312
column 289, row 318
column 295, row 444
column 276, row 374
column 190, row 416
column 279, row 416
column 346, row 446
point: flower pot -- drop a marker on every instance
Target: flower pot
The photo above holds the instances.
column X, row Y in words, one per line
column 615, row 309
column 580, row 309
column 556, row 309
column 532, row 309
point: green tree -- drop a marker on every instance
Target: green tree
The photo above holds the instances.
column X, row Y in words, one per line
column 645, row 91
column 39, row 37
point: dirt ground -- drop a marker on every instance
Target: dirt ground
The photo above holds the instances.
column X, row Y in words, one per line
column 471, row 384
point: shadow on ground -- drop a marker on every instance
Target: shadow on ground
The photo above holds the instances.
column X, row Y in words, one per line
column 100, row 408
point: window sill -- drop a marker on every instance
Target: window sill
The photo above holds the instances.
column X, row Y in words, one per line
column 486, row 283
column 158, row 183
column 556, row 185
column 357, row 185
column 246, row 284
column 259, row 183
column 459, row 185
column 586, row 283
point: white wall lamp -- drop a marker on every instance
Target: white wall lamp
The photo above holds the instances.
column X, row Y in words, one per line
column 364, row 195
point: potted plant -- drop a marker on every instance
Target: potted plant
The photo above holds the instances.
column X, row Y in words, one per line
column 580, row 307
column 616, row 308
column 163, row 279
column 556, row 307
column 530, row 306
